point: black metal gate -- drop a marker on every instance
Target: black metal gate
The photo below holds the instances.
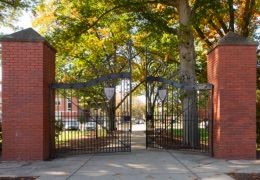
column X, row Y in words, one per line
column 178, row 116
column 93, row 117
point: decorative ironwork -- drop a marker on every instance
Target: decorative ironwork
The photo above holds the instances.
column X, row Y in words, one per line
column 179, row 85
column 162, row 94
column 93, row 82
column 179, row 116
column 109, row 92
column 96, row 121
column 95, row 116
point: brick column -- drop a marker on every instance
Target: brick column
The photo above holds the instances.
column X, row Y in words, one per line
column 232, row 71
column 28, row 69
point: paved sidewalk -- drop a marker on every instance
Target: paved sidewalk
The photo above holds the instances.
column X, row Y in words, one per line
column 139, row 164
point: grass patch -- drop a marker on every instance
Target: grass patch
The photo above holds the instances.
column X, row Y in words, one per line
column 71, row 135
column 204, row 135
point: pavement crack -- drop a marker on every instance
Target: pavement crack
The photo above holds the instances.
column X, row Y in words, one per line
column 193, row 173
column 73, row 173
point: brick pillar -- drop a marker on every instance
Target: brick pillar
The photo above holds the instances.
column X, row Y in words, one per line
column 28, row 69
column 232, row 71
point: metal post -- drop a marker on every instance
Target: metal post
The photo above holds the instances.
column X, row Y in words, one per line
column 130, row 71
column 96, row 113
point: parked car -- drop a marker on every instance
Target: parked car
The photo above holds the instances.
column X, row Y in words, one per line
column 71, row 125
column 90, row 126
column 139, row 121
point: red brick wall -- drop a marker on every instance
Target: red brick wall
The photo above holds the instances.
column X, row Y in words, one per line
column 28, row 68
column 48, row 99
column 232, row 71
column 63, row 106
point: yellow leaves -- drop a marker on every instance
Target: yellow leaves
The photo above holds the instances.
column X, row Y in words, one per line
column 211, row 34
column 93, row 43
column 65, row 78
column 74, row 13
column 138, row 38
column 45, row 18
column 104, row 32
column 91, row 20
column 160, row 7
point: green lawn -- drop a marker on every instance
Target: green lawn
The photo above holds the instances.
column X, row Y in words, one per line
column 179, row 133
column 70, row 135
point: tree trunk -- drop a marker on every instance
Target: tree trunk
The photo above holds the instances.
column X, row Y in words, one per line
column 187, row 74
column 112, row 114
column 231, row 16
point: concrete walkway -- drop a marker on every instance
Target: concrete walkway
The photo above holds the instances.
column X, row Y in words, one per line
column 139, row 164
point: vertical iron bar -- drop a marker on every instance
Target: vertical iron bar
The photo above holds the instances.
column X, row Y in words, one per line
column 130, row 91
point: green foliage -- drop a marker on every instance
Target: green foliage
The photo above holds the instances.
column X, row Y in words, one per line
column 89, row 46
column 87, row 34
column 213, row 19
column 91, row 36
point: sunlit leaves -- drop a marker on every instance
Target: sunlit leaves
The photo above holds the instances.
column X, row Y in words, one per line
column 90, row 45
column 215, row 19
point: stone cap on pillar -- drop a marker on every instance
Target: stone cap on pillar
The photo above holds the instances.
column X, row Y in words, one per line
column 25, row 35
column 232, row 38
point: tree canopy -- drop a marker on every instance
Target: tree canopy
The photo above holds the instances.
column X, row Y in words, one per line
column 89, row 33
column 168, row 36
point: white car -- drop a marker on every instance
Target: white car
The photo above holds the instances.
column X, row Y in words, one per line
column 90, row 126
column 71, row 125
column 139, row 121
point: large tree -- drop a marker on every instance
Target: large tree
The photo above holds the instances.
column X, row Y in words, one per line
column 71, row 25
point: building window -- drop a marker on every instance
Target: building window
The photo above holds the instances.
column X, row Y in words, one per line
column 69, row 105
column 57, row 102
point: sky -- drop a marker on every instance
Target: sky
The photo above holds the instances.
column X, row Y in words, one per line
column 25, row 21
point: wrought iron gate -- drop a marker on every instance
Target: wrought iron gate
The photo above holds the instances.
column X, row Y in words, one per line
column 93, row 117
column 178, row 116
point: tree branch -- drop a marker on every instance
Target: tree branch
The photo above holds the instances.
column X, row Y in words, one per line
column 247, row 15
column 221, row 22
column 128, row 5
column 215, row 27
column 202, row 36
column 231, row 16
